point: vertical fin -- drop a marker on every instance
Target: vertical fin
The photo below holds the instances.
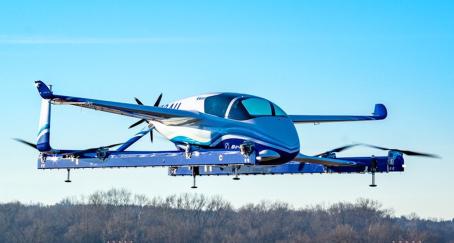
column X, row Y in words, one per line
column 43, row 139
column 44, row 91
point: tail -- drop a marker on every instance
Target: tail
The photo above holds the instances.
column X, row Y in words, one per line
column 43, row 139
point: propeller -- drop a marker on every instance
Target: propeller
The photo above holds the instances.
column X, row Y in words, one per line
column 138, row 101
column 158, row 101
column 337, row 150
column 90, row 150
column 156, row 104
column 94, row 149
column 26, row 143
column 75, row 154
column 137, row 123
column 406, row 152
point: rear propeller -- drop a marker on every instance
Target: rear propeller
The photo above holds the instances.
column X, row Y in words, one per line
column 406, row 152
column 26, row 143
column 156, row 104
column 68, row 154
column 77, row 154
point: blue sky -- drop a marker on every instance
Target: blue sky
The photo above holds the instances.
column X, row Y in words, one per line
column 310, row 57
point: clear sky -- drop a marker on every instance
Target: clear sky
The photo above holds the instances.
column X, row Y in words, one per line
column 310, row 57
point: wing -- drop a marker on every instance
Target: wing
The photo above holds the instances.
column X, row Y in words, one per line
column 380, row 113
column 164, row 115
column 323, row 161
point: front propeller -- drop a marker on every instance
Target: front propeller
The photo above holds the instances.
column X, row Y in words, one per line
column 373, row 161
column 156, row 104
column 406, row 152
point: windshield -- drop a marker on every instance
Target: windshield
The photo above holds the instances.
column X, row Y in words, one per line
column 257, row 107
column 278, row 111
column 249, row 108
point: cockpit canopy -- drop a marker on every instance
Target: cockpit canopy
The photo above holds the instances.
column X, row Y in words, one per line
column 240, row 107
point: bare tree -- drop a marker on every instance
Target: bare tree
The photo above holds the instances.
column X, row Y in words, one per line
column 118, row 215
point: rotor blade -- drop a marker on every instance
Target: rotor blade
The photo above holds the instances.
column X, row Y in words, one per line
column 151, row 126
column 26, row 143
column 137, row 123
column 140, row 121
column 158, row 100
column 406, row 152
column 337, row 150
column 94, row 149
column 138, row 101
column 112, row 145
column 108, row 146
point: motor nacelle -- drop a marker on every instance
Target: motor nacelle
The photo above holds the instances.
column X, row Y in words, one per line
column 102, row 153
column 247, row 148
column 395, row 158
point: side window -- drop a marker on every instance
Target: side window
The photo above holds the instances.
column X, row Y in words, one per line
column 257, row 107
column 217, row 105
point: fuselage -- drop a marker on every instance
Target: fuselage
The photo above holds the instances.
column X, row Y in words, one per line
column 231, row 120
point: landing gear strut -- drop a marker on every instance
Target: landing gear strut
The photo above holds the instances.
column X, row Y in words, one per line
column 193, row 184
column 195, row 172
column 67, row 178
column 373, row 165
column 235, row 171
column 373, row 180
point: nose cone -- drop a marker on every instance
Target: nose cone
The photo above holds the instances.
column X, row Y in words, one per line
column 279, row 131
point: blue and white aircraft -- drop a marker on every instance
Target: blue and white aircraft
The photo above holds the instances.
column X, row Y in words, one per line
column 214, row 134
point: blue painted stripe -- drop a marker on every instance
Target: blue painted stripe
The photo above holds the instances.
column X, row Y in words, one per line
column 184, row 139
column 219, row 139
column 43, row 128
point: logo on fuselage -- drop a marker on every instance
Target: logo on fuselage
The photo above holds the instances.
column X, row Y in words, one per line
column 232, row 147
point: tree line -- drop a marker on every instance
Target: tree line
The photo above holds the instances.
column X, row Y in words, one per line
column 118, row 215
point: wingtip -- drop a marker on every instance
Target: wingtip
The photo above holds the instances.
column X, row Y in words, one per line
column 380, row 112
